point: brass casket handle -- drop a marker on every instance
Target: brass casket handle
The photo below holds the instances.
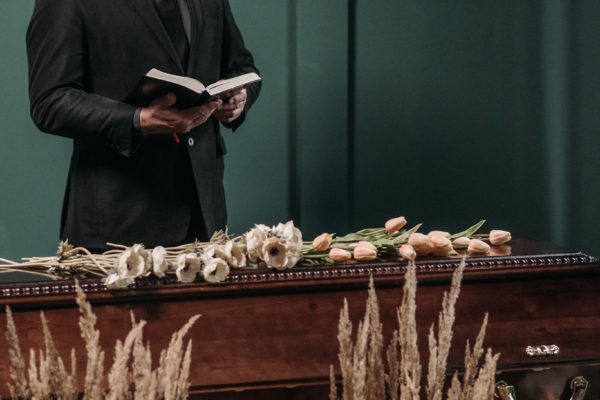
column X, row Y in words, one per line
column 504, row 391
column 543, row 350
column 579, row 387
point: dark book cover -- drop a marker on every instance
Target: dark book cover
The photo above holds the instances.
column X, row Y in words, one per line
column 189, row 92
column 150, row 89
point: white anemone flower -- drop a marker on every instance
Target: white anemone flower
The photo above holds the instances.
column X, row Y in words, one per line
column 292, row 259
column 255, row 239
column 275, row 253
column 159, row 264
column 237, row 254
column 133, row 262
column 218, row 251
column 291, row 234
column 215, row 270
column 293, row 243
column 115, row 281
column 188, row 266
column 263, row 228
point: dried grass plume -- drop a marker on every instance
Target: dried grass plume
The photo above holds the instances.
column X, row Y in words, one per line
column 362, row 366
column 131, row 375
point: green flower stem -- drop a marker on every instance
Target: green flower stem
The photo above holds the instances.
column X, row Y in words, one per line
column 370, row 231
column 315, row 256
column 469, row 231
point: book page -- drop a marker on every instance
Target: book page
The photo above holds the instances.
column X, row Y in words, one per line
column 184, row 81
column 225, row 85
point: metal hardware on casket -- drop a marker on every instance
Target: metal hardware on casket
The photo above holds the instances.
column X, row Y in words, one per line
column 504, row 391
column 543, row 350
column 579, row 387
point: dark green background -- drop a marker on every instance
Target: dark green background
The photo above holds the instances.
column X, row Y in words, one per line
column 446, row 112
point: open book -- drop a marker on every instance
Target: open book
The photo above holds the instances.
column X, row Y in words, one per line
column 189, row 91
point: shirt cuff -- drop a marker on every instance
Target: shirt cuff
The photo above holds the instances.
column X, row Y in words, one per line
column 137, row 124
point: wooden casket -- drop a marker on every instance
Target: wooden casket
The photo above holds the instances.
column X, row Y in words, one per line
column 266, row 334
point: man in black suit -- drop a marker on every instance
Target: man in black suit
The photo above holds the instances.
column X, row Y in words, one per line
column 129, row 180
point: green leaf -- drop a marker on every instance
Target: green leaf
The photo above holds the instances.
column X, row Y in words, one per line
column 383, row 242
column 379, row 235
column 388, row 250
column 370, row 231
column 470, row 231
column 342, row 246
column 403, row 237
column 349, row 238
column 316, row 262
column 315, row 255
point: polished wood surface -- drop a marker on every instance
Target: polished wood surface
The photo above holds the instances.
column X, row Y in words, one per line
column 265, row 331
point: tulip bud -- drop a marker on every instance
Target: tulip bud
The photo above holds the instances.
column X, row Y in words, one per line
column 461, row 242
column 395, row 224
column 364, row 253
column 407, row 252
column 498, row 237
column 322, row 242
column 442, row 246
column 339, row 255
column 439, row 233
column 421, row 243
column 478, row 246
column 416, row 239
column 369, row 245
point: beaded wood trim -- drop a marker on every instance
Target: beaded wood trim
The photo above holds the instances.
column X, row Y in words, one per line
column 318, row 272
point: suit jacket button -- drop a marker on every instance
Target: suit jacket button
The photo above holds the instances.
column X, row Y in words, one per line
column 191, row 142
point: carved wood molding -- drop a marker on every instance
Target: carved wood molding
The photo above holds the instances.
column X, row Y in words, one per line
column 298, row 274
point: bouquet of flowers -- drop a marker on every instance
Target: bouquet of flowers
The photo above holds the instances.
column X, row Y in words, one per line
column 279, row 247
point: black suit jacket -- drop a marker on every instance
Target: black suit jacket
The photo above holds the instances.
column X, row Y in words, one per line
column 84, row 58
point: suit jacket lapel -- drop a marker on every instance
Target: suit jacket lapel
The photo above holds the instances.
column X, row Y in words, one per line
column 146, row 11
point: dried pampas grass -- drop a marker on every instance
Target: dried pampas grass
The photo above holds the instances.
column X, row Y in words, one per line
column 17, row 362
column 440, row 347
column 131, row 375
column 362, row 367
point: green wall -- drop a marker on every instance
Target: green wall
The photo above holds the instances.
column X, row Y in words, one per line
column 446, row 112
column 32, row 165
column 454, row 112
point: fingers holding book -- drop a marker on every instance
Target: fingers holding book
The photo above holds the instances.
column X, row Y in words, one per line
column 199, row 115
column 162, row 117
column 231, row 109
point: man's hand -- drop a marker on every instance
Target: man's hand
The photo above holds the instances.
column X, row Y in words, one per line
column 162, row 117
column 233, row 108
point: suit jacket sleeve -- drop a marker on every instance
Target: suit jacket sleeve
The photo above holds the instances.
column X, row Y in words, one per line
column 237, row 60
column 60, row 104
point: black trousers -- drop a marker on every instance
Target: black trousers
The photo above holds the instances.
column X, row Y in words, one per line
column 196, row 229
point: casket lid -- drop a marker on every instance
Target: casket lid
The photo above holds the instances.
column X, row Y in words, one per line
column 518, row 260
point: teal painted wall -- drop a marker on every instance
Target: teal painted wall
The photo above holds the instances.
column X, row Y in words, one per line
column 476, row 109
column 32, row 165
column 583, row 175
column 443, row 111
column 448, row 121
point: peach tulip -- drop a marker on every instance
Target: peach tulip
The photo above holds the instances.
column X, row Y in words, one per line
column 461, row 242
column 498, row 237
column 442, row 246
column 421, row 243
column 477, row 246
column 395, row 224
column 366, row 244
column 407, row 252
column 322, row 242
column 364, row 253
column 339, row 255
column 439, row 233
